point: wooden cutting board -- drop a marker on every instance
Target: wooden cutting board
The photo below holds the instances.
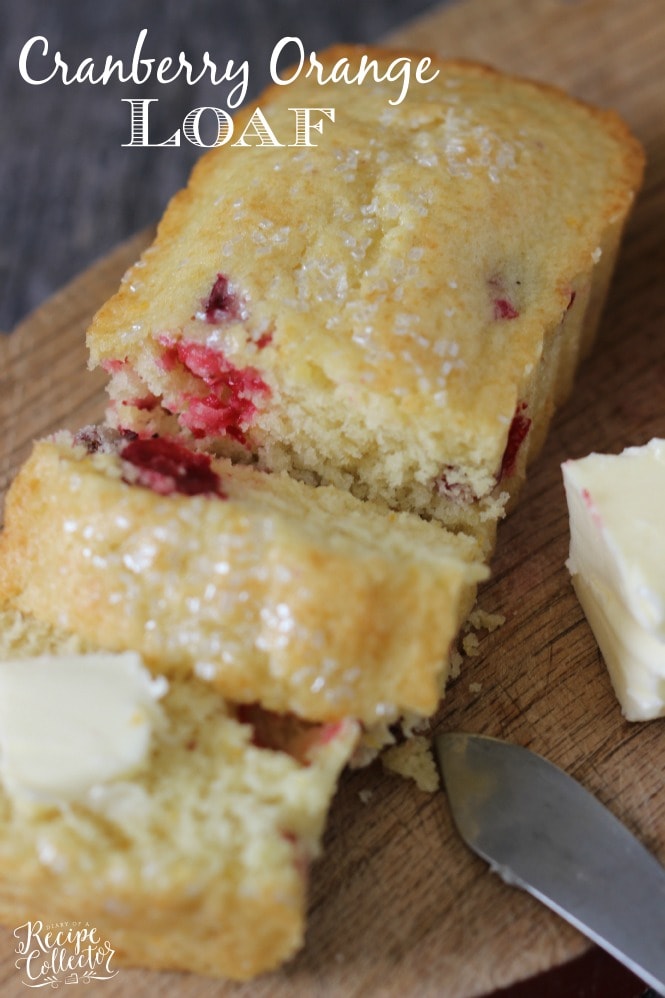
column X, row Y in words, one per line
column 398, row 905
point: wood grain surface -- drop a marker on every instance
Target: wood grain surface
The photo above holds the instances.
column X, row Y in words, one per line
column 398, row 905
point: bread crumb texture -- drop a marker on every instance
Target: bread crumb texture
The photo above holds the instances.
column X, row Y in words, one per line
column 413, row 760
column 395, row 311
column 199, row 861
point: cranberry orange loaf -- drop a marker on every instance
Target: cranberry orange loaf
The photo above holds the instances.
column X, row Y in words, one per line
column 395, row 310
column 191, row 855
column 303, row 599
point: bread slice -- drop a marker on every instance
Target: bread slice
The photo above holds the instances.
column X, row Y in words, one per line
column 302, row 599
column 197, row 862
column 396, row 310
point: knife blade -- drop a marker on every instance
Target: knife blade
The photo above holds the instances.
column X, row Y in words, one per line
column 540, row 830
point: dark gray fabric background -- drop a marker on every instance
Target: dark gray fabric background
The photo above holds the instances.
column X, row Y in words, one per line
column 69, row 192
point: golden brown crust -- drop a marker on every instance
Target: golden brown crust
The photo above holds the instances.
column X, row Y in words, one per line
column 303, row 599
column 429, row 272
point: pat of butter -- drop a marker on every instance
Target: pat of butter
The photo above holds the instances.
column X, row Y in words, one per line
column 68, row 723
column 616, row 505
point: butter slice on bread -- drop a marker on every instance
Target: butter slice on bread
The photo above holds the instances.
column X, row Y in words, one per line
column 198, row 861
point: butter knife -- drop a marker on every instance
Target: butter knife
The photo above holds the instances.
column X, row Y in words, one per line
column 542, row 831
